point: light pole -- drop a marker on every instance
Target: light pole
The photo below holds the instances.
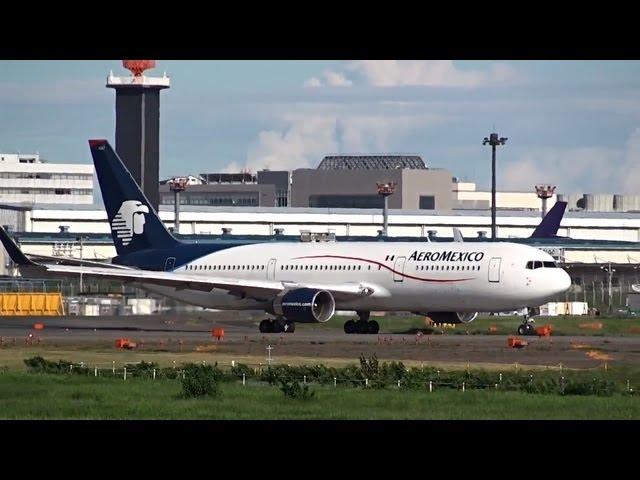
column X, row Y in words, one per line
column 494, row 141
column 177, row 185
column 609, row 271
column 80, row 240
column 386, row 189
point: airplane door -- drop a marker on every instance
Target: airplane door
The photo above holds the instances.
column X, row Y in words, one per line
column 494, row 269
column 398, row 269
column 170, row 264
column 271, row 269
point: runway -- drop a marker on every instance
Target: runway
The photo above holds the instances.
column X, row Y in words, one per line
column 193, row 333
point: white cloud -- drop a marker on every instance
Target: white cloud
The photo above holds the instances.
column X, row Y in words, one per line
column 429, row 73
column 331, row 79
column 300, row 145
column 308, row 137
column 572, row 170
column 313, row 82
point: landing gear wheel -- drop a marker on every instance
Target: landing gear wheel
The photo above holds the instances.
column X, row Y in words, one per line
column 531, row 329
column 266, row 326
column 522, row 329
column 349, row 327
column 289, row 326
column 362, row 327
column 278, row 325
column 373, row 327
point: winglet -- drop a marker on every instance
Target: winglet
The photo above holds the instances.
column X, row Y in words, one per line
column 551, row 222
column 13, row 250
column 97, row 143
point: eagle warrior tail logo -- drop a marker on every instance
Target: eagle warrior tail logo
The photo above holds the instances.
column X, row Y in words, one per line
column 129, row 220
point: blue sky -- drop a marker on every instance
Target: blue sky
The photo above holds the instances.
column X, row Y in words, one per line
column 575, row 124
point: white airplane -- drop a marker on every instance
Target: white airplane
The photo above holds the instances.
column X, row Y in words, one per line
column 308, row 282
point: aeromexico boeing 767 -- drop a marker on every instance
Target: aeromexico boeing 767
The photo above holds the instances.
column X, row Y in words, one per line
column 307, row 282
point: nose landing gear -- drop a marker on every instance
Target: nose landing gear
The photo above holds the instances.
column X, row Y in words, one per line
column 363, row 325
column 527, row 327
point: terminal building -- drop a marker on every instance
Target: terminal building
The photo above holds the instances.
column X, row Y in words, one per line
column 264, row 189
column 349, row 181
column 28, row 179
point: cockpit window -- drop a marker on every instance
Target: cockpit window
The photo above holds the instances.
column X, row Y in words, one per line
column 532, row 265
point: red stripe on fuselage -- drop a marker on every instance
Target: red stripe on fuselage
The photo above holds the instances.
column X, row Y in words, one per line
column 388, row 268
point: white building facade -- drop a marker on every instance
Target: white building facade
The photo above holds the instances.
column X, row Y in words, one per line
column 26, row 179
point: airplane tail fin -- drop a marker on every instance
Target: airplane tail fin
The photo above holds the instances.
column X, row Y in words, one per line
column 551, row 222
column 135, row 225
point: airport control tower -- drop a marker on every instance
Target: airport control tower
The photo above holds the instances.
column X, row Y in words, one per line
column 138, row 123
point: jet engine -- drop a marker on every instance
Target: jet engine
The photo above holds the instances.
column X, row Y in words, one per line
column 305, row 305
column 452, row 317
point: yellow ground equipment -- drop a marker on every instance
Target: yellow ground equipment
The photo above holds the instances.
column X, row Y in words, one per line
column 31, row 303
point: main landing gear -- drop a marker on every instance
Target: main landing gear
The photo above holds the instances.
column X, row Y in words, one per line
column 363, row 325
column 279, row 325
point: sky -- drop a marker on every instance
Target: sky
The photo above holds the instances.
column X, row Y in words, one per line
column 574, row 124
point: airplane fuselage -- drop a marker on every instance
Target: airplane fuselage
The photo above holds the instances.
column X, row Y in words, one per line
column 411, row 276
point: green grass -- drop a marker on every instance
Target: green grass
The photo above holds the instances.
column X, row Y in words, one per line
column 36, row 396
column 505, row 325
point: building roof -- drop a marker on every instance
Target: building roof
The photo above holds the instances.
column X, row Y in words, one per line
column 372, row 162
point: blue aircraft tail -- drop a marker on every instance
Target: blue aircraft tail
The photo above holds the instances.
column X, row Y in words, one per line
column 135, row 225
column 551, row 222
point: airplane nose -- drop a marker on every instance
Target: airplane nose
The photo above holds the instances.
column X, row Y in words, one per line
column 564, row 281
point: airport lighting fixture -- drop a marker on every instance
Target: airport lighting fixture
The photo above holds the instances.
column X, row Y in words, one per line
column 386, row 189
column 545, row 192
column 177, row 185
column 494, row 141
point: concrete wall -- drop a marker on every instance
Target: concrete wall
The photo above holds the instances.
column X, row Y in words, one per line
column 416, row 183
column 307, row 182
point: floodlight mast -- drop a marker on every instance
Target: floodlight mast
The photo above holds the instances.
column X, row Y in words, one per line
column 494, row 141
column 385, row 189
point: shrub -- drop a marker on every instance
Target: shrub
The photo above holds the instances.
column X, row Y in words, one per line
column 241, row 369
column 142, row 369
column 199, row 381
column 40, row 365
column 293, row 389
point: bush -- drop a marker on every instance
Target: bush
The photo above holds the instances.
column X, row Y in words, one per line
column 142, row 369
column 293, row 389
column 40, row 365
column 199, row 381
column 241, row 369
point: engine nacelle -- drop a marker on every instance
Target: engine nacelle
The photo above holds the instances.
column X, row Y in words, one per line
column 305, row 305
column 452, row 317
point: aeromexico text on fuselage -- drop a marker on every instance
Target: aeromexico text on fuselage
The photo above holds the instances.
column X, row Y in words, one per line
column 446, row 256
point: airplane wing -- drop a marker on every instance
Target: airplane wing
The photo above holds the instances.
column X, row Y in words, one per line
column 258, row 289
column 76, row 261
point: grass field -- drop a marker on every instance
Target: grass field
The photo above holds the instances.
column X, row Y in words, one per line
column 41, row 396
column 503, row 325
